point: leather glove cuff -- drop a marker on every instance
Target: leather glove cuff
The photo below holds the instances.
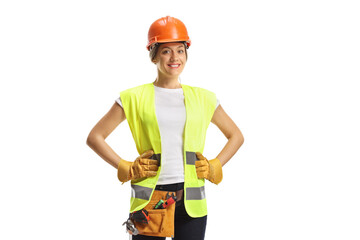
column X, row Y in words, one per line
column 216, row 174
column 124, row 171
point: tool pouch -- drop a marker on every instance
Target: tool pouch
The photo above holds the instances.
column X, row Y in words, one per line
column 161, row 223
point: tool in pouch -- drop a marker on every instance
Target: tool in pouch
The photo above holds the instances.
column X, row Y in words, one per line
column 170, row 199
column 141, row 216
column 156, row 219
column 130, row 227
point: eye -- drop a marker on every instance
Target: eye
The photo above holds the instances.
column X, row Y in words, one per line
column 181, row 51
column 165, row 51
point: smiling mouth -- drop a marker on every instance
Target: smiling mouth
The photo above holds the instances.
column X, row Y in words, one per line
column 174, row 65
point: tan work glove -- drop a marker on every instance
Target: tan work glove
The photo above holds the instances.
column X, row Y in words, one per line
column 140, row 168
column 211, row 170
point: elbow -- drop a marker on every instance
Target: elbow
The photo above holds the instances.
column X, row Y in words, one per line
column 239, row 137
column 241, row 141
column 91, row 140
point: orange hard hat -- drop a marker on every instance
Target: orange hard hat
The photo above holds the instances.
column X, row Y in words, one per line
column 167, row 29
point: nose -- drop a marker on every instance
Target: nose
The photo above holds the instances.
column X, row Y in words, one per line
column 174, row 56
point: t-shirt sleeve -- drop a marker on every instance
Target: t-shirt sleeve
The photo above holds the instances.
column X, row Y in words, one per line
column 118, row 100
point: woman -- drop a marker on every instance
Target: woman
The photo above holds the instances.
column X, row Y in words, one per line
column 168, row 121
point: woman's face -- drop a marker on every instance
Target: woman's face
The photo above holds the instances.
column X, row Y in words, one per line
column 171, row 59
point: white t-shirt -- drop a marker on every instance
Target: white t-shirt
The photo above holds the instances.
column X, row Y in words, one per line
column 171, row 117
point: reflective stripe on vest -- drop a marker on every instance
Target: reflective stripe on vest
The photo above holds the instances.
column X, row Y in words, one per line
column 139, row 107
column 141, row 192
column 190, row 158
column 195, row 193
column 192, row 193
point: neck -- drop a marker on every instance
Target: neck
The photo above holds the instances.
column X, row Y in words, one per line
column 167, row 82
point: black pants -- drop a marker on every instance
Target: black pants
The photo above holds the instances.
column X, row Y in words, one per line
column 186, row 227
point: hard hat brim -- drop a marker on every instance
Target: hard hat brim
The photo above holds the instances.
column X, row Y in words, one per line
column 187, row 42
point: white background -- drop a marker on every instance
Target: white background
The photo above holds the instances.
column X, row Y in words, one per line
column 285, row 71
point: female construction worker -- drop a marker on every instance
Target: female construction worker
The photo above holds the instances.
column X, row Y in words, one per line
column 168, row 121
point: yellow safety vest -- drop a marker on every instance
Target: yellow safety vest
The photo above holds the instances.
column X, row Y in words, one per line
column 139, row 107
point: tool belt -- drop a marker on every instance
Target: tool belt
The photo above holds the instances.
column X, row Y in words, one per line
column 161, row 221
column 158, row 217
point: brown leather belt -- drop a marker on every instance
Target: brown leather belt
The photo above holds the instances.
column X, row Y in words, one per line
column 179, row 195
column 178, row 188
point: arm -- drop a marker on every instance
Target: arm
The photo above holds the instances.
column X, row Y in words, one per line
column 231, row 132
column 97, row 136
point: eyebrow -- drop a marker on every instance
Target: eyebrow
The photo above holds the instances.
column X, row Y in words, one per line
column 177, row 47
